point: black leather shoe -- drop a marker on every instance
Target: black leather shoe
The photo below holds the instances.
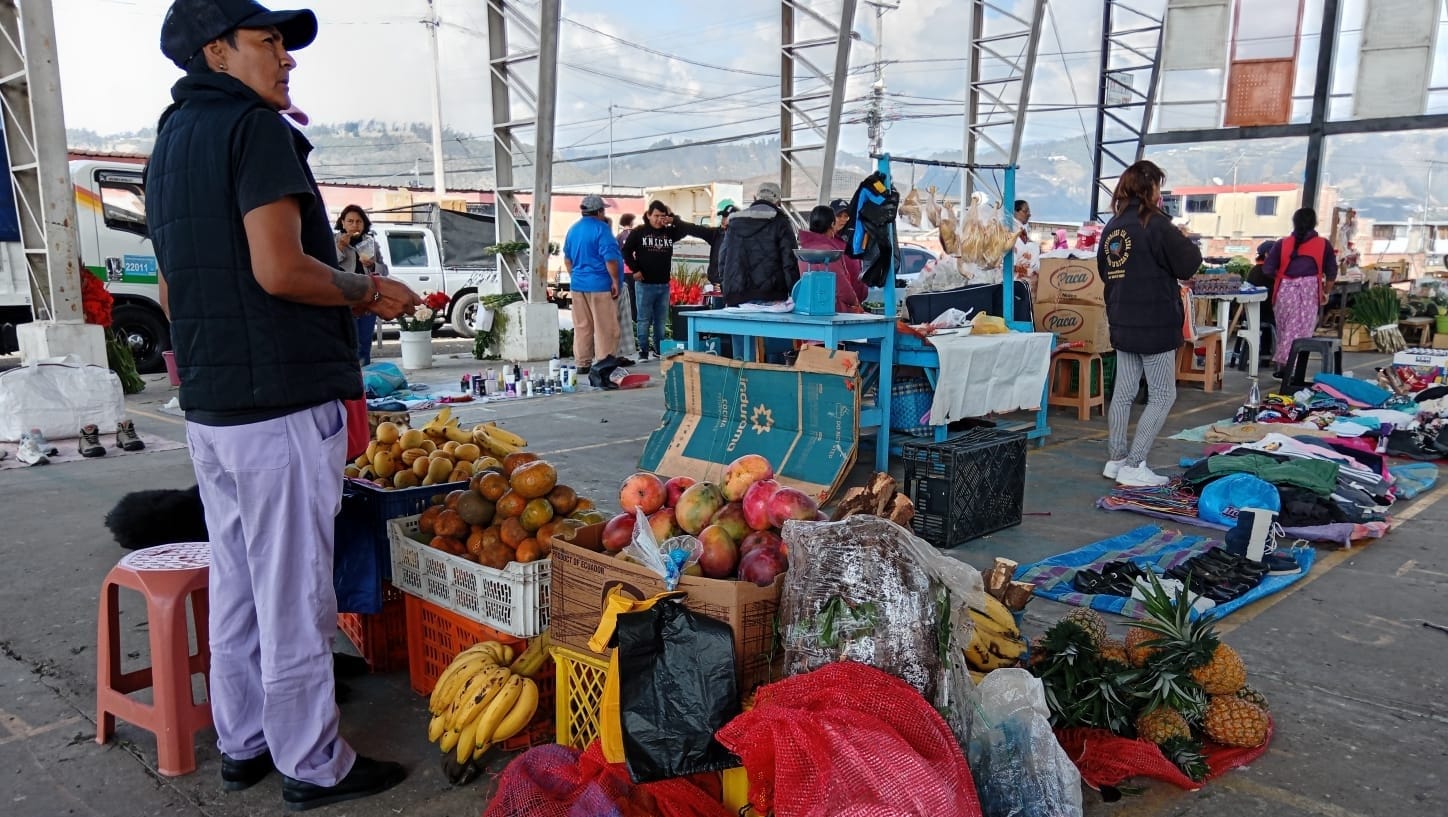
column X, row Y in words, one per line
column 368, row 777
column 237, row 775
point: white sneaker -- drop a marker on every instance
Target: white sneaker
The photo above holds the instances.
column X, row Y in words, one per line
column 41, row 444
column 1113, row 467
column 30, row 453
column 1140, row 476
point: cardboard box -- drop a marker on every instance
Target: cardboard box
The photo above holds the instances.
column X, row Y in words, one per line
column 1357, row 338
column 804, row 419
column 1422, row 358
column 1070, row 280
column 583, row 577
column 1440, row 341
column 1076, row 322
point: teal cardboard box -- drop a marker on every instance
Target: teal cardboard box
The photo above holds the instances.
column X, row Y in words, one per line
column 805, row 419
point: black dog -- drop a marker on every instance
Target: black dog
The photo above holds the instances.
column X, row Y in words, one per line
column 145, row 519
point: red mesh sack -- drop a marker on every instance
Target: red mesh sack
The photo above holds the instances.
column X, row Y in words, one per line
column 557, row 781
column 1106, row 759
column 848, row 739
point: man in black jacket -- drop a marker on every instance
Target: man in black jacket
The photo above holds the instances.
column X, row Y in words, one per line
column 649, row 254
column 757, row 261
column 263, row 325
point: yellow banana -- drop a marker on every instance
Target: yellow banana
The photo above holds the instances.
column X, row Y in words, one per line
column 482, row 435
column 494, row 651
column 436, row 727
column 984, row 623
column 449, row 741
column 468, row 707
column 504, row 436
column 480, row 683
column 458, row 669
column 521, row 714
column 996, row 612
column 531, row 662
column 980, row 658
column 457, row 435
column 465, row 741
column 497, row 710
column 436, row 424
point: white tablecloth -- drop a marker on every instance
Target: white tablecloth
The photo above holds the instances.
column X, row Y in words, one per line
column 989, row 374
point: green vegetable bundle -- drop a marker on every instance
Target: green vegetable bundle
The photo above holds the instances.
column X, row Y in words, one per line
column 1377, row 309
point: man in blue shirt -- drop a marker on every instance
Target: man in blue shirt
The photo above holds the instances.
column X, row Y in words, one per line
column 593, row 262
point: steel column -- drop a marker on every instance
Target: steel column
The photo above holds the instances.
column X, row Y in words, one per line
column 1131, row 43
column 1001, row 79
column 795, row 52
column 1322, row 89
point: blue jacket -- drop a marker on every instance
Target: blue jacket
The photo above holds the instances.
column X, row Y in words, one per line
column 589, row 247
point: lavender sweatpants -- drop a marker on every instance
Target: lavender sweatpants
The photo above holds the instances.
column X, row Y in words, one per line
column 271, row 490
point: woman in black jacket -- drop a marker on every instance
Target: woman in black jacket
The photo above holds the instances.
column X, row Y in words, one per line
column 1143, row 258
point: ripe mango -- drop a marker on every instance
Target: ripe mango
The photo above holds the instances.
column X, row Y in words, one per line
column 412, row 438
column 383, row 465
column 388, row 433
column 406, row 479
column 438, row 469
column 421, row 466
column 468, row 452
column 411, row 455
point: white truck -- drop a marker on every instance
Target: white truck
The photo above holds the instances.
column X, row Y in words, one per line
column 113, row 245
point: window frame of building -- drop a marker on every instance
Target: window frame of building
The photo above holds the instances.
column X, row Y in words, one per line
column 1199, row 204
column 1270, row 210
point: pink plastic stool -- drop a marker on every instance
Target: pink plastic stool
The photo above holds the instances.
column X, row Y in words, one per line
column 166, row 575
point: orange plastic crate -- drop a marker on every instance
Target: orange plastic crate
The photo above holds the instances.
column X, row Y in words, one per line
column 381, row 638
column 435, row 637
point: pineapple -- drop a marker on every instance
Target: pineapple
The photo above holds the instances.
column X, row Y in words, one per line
column 1114, row 651
column 1186, row 754
column 1251, row 695
column 1136, row 638
column 1162, row 724
column 1090, row 621
column 1224, row 674
column 1232, row 721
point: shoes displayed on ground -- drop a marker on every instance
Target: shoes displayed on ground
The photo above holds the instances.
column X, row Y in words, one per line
column 41, row 444
column 1274, row 560
column 367, row 777
column 30, row 453
column 237, row 775
column 1112, row 469
column 90, row 441
column 126, row 437
column 1140, row 476
column 625, row 361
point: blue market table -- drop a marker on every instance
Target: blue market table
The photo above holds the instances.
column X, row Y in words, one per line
column 831, row 330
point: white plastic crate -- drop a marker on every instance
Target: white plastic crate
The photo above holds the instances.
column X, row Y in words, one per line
column 513, row 600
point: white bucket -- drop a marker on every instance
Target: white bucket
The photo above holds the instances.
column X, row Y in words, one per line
column 416, row 350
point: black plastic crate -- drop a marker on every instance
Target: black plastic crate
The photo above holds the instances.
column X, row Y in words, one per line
column 966, row 487
column 362, row 559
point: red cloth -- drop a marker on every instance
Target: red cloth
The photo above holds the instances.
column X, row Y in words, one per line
column 850, row 291
column 1106, row 759
column 558, row 781
column 848, row 739
column 359, row 432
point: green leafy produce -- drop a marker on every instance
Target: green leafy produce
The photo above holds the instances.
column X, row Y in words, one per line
column 1377, row 309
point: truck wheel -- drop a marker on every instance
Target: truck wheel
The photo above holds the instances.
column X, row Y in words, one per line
column 146, row 333
column 465, row 314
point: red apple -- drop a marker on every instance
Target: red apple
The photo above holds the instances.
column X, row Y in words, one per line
column 720, row 557
column 760, row 540
column 642, row 491
column 674, row 488
column 743, row 473
column 762, row 566
column 664, row 525
column 791, row 503
column 731, row 518
column 756, row 503
column 618, row 532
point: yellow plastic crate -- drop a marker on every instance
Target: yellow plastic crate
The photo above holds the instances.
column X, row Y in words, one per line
column 580, row 694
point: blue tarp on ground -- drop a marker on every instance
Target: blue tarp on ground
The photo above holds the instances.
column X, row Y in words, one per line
column 1152, row 548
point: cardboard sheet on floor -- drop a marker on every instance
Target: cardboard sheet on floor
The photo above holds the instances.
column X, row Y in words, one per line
column 1152, row 548
column 805, row 419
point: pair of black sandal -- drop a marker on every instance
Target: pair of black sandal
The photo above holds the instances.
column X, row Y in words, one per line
column 1219, row 574
column 1114, row 579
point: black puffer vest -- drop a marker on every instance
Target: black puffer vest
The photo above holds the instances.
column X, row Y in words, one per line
column 238, row 349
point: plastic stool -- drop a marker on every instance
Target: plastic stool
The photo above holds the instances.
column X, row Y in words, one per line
column 1090, row 377
column 166, row 575
column 1328, row 349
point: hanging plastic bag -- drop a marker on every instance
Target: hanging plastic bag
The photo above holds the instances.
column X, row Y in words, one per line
column 610, row 725
column 1222, row 498
column 1018, row 766
column 676, row 689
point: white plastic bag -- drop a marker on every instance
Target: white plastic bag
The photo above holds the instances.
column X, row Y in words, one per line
column 669, row 558
column 1019, row 768
column 59, row 398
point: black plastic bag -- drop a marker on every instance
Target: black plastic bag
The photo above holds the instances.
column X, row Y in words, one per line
column 676, row 689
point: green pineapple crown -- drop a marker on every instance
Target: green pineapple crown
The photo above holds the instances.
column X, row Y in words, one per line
column 1184, row 642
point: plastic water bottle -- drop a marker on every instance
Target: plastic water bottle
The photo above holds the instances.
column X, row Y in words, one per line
column 1254, row 395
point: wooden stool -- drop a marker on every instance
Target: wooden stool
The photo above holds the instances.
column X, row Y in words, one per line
column 166, row 575
column 1090, row 377
column 1421, row 328
column 1210, row 374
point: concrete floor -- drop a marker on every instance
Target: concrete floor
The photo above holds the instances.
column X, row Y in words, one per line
column 1356, row 680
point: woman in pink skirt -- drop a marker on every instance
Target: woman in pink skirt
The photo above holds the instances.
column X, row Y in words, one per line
column 1302, row 267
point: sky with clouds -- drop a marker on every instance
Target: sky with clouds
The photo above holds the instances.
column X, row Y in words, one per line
column 371, row 61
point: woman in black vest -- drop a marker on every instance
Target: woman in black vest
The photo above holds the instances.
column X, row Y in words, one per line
column 357, row 251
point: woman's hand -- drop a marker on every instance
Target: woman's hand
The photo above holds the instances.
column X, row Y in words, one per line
column 343, row 241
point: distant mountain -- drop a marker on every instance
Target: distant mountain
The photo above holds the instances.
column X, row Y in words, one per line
column 1384, row 175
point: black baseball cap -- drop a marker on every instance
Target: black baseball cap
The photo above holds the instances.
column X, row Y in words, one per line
column 191, row 24
column 840, row 206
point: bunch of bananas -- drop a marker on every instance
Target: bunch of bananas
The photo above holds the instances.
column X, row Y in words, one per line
column 493, row 440
column 496, row 441
column 996, row 643
column 485, row 696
